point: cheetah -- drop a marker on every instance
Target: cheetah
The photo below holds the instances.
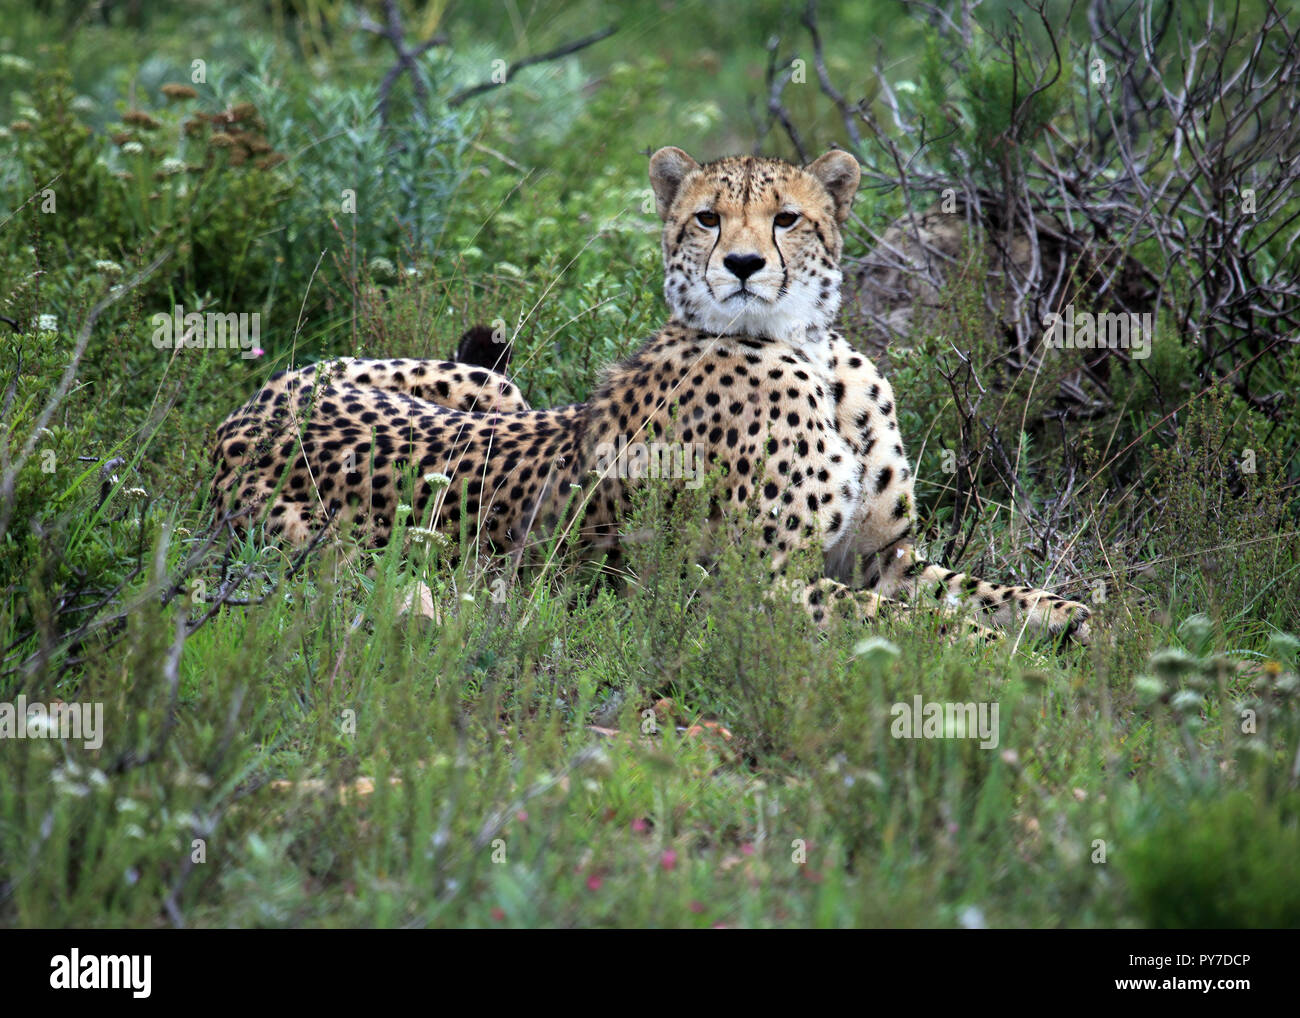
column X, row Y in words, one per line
column 748, row 373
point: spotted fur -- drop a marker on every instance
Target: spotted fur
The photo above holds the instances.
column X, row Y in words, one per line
column 748, row 371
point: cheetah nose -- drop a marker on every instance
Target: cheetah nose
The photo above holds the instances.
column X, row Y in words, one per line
column 743, row 266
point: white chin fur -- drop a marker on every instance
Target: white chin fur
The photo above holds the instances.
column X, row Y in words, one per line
column 789, row 318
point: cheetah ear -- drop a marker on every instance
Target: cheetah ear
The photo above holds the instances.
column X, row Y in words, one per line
column 839, row 173
column 668, row 167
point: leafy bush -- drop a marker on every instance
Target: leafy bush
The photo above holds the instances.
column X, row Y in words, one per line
column 1223, row 864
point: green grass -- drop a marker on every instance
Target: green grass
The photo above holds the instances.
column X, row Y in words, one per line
column 313, row 755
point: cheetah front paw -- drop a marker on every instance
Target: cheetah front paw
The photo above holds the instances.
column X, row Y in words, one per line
column 1065, row 617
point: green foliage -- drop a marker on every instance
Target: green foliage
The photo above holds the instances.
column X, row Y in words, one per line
column 200, row 186
column 1225, row 502
column 980, row 109
column 1223, row 864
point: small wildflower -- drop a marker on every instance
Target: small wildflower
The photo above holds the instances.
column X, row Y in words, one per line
column 1186, row 701
column 1171, row 663
column 171, row 166
column 594, row 882
column 108, row 268
column 382, row 269
column 437, row 480
column 668, row 861
column 1149, row 687
column 876, row 649
column 46, row 323
column 132, row 148
column 139, row 118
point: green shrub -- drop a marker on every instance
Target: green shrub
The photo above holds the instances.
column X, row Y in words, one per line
column 1225, row 863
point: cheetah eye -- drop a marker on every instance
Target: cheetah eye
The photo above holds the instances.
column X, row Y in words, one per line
column 786, row 219
column 707, row 219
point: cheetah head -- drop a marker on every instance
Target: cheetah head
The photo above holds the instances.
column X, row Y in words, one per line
column 752, row 245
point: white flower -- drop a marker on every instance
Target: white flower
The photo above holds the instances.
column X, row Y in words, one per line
column 171, row 166
column 382, row 267
column 132, row 148
column 875, row 648
column 108, row 268
column 437, row 480
column 64, row 778
column 46, row 323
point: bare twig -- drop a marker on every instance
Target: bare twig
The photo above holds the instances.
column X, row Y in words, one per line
column 540, row 58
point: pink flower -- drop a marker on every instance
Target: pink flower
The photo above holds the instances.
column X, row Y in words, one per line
column 522, row 816
column 639, row 826
column 696, row 906
column 594, row 882
column 747, row 849
column 669, row 860
column 257, row 351
column 498, row 913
